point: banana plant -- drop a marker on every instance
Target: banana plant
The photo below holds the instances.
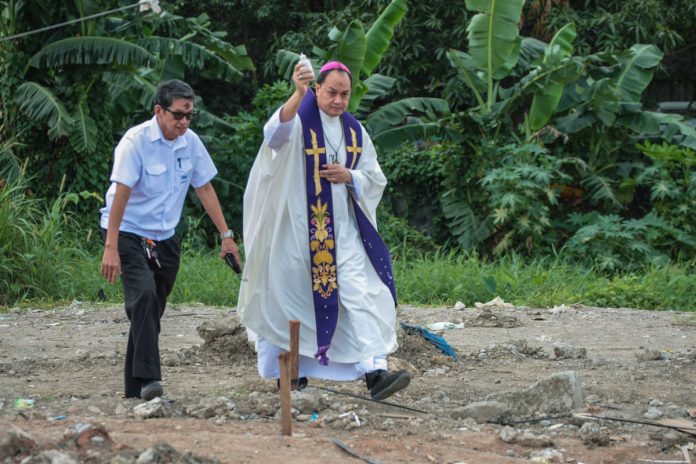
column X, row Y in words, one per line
column 396, row 122
column 122, row 62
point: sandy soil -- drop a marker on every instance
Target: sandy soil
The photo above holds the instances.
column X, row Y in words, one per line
column 216, row 409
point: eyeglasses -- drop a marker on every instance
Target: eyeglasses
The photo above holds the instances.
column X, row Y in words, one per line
column 179, row 115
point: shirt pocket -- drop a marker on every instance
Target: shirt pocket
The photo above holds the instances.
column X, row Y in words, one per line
column 155, row 180
column 183, row 168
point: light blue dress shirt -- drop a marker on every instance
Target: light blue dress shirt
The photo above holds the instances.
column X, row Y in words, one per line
column 159, row 172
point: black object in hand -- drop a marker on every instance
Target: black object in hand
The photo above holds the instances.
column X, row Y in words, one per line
column 229, row 257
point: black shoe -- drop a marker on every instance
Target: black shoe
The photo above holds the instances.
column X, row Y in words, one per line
column 382, row 384
column 151, row 390
column 301, row 382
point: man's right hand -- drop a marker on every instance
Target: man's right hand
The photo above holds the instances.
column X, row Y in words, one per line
column 110, row 264
column 302, row 77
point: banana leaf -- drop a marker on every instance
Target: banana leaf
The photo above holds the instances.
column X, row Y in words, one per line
column 83, row 136
column 396, row 113
column 351, row 52
column 493, row 35
column 638, row 65
column 466, row 66
column 92, row 50
column 545, row 102
column 377, row 86
column 380, row 34
column 40, row 104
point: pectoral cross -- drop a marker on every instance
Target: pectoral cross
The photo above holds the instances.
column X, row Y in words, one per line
column 353, row 148
column 315, row 151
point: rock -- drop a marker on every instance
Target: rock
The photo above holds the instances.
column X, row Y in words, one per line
column 563, row 350
column 50, row 457
column 153, row 408
column 308, row 401
column 547, row 456
column 649, row 355
column 558, row 393
column 592, row 434
column 529, row 439
column 15, row 443
column 212, row 330
column 212, row 407
column 653, row 413
column 484, row 411
column 459, row 306
column 86, row 435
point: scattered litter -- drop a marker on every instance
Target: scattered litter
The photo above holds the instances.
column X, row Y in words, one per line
column 351, row 452
column 436, row 340
column 314, row 416
column 496, row 302
column 57, row 418
column 445, row 325
column 23, row 403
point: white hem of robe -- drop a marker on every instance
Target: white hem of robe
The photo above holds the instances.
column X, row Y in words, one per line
column 267, row 357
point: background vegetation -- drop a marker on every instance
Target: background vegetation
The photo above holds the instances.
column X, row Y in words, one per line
column 553, row 172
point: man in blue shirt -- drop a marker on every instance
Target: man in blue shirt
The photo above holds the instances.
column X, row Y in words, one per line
column 154, row 164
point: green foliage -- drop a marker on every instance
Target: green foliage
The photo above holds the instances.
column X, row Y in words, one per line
column 404, row 241
column 415, row 173
column 522, row 196
column 397, row 122
column 672, row 183
column 84, row 84
column 37, row 245
column 234, row 153
column 613, row 243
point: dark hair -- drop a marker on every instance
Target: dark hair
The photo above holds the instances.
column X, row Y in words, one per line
column 322, row 76
column 168, row 91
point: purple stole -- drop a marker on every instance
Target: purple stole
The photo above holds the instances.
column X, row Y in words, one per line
column 322, row 246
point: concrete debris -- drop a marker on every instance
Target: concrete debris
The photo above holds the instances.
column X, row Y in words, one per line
column 212, row 407
column 496, row 302
column 153, row 408
column 50, row 457
column 16, row 443
column 556, row 394
column 85, row 435
column 592, row 434
column 563, row 350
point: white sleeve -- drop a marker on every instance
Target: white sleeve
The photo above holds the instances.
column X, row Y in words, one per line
column 276, row 133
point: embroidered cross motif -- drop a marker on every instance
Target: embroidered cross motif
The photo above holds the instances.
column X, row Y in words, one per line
column 315, row 151
column 354, row 149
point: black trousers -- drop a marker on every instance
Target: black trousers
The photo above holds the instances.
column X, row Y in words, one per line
column 145, row 287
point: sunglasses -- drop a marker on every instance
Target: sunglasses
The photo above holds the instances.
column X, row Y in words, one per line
column 179, row 115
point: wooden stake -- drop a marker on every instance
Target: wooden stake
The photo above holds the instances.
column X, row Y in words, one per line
column 295, row 354
column 285, row 403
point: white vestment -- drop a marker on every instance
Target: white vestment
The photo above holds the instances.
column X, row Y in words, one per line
column 276, row 283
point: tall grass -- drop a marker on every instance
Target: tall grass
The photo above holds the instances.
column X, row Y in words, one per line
column 46, row 259
column 36, row 251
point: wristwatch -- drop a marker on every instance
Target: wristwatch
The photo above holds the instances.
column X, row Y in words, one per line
column 227, row 234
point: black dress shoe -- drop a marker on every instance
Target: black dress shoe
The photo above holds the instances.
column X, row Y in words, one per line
column 301, row 382
column 382, row 384
column 151, row 390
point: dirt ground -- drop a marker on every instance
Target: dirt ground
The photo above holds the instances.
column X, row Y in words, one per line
column 636, row 365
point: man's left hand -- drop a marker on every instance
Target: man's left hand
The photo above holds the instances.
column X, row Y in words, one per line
column 228, row 246
column 336, row 173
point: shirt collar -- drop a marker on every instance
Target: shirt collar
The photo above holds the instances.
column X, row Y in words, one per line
column 156, row 134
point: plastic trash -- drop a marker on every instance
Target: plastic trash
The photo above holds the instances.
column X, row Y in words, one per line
column 436, row 340
column 445, row 325
column 314, row 416
column 23, row 403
